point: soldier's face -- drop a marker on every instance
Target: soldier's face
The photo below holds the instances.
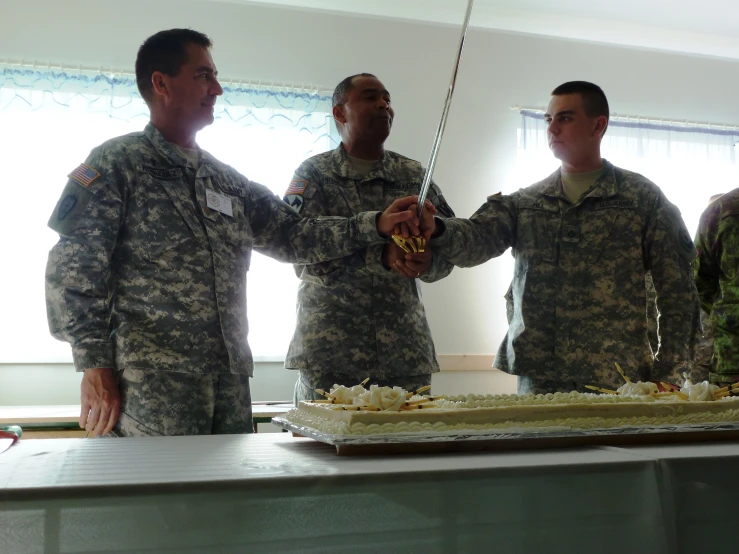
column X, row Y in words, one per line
column 367, row 114
column 194, row 90
column 571, row 133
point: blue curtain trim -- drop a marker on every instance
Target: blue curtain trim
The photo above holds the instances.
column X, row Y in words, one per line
column 52, row 81
column 651, row 126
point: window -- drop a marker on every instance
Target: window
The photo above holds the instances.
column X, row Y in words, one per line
column 49, row 122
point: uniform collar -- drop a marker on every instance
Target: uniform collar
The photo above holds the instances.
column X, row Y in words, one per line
column 386, row 168
column 168, row 151
column 605, row 187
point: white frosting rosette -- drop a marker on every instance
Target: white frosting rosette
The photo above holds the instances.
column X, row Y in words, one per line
column 346, row 395
column 699, row 391
column 639, row 388
column 382, row 398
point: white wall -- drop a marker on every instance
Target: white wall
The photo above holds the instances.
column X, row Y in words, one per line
column 498, row 70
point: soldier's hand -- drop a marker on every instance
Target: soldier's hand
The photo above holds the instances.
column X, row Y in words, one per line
column 391, row 253
column 100, row 399
column 428, row 223
column 414, row 265
column 428, row 212
column 401, row 211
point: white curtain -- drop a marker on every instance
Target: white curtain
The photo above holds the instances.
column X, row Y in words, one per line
column 689, row 164
column 49, row 122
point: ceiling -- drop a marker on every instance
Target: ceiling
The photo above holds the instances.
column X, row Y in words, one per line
column 704, row 27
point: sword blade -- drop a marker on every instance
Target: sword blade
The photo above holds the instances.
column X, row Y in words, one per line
column 426, row 183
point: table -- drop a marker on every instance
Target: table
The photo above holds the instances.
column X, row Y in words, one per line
column 63, row 421
column 46, row 417
column 263, row 412
column 275, row 493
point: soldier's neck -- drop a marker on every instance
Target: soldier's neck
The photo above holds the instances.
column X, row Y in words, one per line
column 583, row 165
column 174, row 133
column 363, row 150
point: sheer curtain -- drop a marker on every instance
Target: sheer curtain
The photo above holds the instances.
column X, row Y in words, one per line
column 689, row 163
column 49, row 122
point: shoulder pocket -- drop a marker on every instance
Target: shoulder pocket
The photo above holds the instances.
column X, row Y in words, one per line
column 70, row 208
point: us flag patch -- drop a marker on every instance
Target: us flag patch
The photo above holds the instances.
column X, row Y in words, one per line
column 84, row 175
column 296, row 187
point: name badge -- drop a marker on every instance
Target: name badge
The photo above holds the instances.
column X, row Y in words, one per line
column 219, row 202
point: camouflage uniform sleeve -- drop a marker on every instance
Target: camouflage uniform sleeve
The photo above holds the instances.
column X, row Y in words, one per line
column 366, row 260
column 440, row 267
column 706, row 269
column 78, row 270
column 669, row 255
column 487, row 234
column 281, row 233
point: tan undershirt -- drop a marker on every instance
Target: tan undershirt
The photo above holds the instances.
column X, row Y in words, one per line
column 363, row 167
column 574, row 185
column 192, row 156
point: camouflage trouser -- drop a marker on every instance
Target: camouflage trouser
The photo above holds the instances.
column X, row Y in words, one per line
column 309, row 381
column 533, row 385
column 156, row 403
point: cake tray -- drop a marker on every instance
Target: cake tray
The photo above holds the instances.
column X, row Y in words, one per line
column 514, row 438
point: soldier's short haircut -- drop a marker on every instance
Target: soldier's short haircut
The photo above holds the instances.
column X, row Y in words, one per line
column 593, row 98
column 165, row 51
column 341, row 92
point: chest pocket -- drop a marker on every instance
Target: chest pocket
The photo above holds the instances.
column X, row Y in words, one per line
column 537, row 230
column 163, row 219
column 340, row 199
column 168, row 254
column 612, row 226
column 393, row 192
column 236, row 230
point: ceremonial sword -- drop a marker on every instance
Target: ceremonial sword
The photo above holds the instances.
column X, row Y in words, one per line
column 426, row 183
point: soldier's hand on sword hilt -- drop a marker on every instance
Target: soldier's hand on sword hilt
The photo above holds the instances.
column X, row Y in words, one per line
column 412, row 241
column 401, row 212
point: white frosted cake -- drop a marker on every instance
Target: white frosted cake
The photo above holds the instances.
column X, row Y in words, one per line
column 381, row 410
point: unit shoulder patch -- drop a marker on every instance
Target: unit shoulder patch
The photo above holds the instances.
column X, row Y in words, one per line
column 295, row 201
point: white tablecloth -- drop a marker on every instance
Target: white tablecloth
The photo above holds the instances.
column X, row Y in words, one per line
column 275, row 493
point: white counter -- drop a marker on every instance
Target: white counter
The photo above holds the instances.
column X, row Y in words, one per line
column 275, row 493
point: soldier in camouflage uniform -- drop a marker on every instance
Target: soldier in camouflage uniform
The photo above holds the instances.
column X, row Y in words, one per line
column 717, row 279
column 356, row 317
column 148, row 279
column 583, row 240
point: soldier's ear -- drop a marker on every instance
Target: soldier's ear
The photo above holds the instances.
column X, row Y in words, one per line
column 160, row 84
column 601, row 125
column 338, row 113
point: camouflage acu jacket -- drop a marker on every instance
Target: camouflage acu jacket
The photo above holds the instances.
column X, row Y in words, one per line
column 149, row 274
column 354, row 317
column 578, row 287
column 717, row 278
